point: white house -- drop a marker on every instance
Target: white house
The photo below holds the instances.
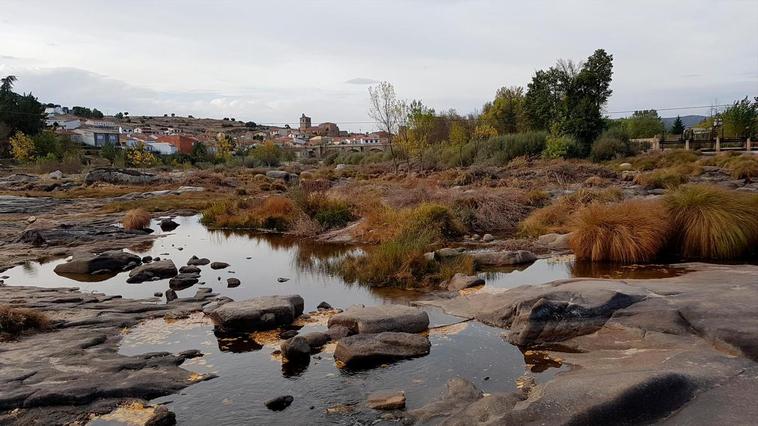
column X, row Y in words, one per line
column 96, row 137
column 63, row 121
column 162, row 148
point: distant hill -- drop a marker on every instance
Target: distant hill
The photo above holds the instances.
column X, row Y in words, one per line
column 688, row 120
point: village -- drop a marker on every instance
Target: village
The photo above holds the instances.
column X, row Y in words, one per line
column 173, row 135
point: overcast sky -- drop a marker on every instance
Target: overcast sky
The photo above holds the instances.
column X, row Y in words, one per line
column 270, row 61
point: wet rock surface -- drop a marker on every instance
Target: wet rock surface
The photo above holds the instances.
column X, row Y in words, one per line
column 367, row 350
column 380, row 318
column 62, row 375
column 89, row 263
column 679, row 350
column 159, row 269
column 503, row 258
column 260, row 313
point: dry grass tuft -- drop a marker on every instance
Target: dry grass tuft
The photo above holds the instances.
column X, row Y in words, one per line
column 14, row 321
column 556, row 217
column 668, row 178
column 273, row 213
column 627, row 232
column 136, row 219
column 743, row 167
column 712, row 222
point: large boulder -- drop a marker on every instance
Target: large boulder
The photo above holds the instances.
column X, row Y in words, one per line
column 296, row 349
column 370, row 349
column 153, row 271
column 377, row 319
column 184, row 280
column 503, row 258
column 106, row 262
column 120, row 177
column 260, row 313
column 196, row 261
column 461, row 281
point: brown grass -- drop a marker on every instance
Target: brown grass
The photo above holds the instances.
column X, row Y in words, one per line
column 713, row 223
column 14, row 321
column 556, row 217
column 627, row 232
column 136, row 219
column 196, row 201
column 273, row 213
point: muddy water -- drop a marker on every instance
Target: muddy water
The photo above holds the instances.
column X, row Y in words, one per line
column 248, row 371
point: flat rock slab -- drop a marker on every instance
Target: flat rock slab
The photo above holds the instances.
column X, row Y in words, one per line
column 365, row 350
column 160, row 269
column 120, row 177
column 386, row 400
column 260, row 313
column 14, row 204
column 380, row 318
column 89, row 263
column 62, row 375
column 461, row 281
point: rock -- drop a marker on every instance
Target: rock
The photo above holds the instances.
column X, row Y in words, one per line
column 158, row 294
column 282, row 280
column 296, row 349
column 195, row 261
column 219, row 265
column 120, row 177
column 260, row 313
column 56, row 175
column 184, row 280
column 376, row 319
column 190, row 269
column 109, row 261
column 316, row 339
column 162, row 416
column 386, row 400
column 555, row 241
column 31, row 219
column 337, row 332
column 277, row 174
column 370, row 349
column 210, row 307
column 460, row 393
column 171, row 295
column 625, row 166
column 488, row 238
column 279, row 403
column 324, row 306
column 232, row 282
column 449, row 252
column 340, row 166
column 629, row 175
column 168, row 224
column 287, row 334
column 461, row 281
column 503, row 258
column 147, row 259
column 158, row 269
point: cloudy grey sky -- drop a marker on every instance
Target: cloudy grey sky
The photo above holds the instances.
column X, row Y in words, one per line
column 268, row 61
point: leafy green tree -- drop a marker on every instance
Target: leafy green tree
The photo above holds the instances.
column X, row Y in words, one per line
column 108, row 151
column 199, row 153
column 569, row 98
column 644, row 124
column 266, row 154
column 416, row 136
column 18, row 113
column 506, row 113
column 740, row 119
column 678, row 127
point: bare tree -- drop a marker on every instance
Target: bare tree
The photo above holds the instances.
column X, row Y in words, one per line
column 387, row 111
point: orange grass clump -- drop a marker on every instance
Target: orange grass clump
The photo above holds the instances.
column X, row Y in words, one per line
column 713, row 222
column 626, row 232
column 136, row 219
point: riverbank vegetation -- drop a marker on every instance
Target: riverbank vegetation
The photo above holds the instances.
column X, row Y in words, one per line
column 14, row 321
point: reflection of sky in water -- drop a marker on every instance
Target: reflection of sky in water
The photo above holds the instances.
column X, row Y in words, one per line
column 271, row 257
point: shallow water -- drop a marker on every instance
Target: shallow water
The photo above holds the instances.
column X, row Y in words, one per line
column 247, row 372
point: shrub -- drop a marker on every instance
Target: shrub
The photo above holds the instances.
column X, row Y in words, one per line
column 627, row 232
column 136, row 219
column 608, row 147
column 664, row 178
column 560, row 147
column 743, row 167
column 556, row 217
column 712, row 222
column 328, row 212
column 14, row 321
column 273, row 213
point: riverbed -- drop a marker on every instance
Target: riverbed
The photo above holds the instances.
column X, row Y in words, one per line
column 249, row 372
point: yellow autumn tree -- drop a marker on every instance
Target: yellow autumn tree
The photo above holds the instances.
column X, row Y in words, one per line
column 22, row 147
column 138, row 156
column 224, row 146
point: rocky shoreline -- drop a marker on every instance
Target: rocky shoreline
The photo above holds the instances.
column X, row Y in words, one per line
column 74, row 371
